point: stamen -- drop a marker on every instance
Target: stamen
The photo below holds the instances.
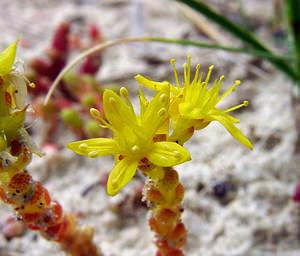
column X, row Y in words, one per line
column 200, row 77
column 189, row 69
column 95, row 113
column 244, row 104
column 173, row 63
column 230, row 90
column 124, row 93
column 29, row 83
column 210, row 69
column 185, row 73
column 196, row 73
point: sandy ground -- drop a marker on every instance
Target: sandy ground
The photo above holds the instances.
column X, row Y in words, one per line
column 257, row 217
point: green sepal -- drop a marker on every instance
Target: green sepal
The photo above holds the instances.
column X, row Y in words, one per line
column 9, row 125
column 7, row 58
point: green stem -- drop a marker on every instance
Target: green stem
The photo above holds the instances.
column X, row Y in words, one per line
column 242, row 34
column 292, row 10
column 102, row 46
column 200, row 44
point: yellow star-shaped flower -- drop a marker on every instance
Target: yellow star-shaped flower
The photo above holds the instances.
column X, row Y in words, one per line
column 133, row 137
column 193, row 105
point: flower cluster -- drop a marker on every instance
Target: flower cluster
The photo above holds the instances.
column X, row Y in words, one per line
column 134, row 137
column 193, row 104
column 155, row 136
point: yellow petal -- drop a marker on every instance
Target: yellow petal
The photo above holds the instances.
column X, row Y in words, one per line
column 183, row 130
column 149, row 83
column 167, row 154
column 156, row 112
column 7, row 58
column 120, row 175
column 143, row 102
column 189, row 111
column 94, row 147
column 117, row 112
column 217, row 112
column 234, row 131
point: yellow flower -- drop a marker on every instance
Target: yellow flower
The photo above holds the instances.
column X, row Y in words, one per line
column 193, row 104
column 132, row 137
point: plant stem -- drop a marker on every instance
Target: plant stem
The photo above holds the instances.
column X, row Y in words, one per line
column 164, row 196
column 241, row 33
column 35, row 207
column 99, row 47
column 292, row 8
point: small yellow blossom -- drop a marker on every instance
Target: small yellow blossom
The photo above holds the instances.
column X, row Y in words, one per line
column 133, row 136
column 193, row 104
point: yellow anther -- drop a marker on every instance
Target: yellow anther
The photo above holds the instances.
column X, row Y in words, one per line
column 244, row 104
column 197, row 73
column 210, row 69
column 221, row 78
column 173, row 62
column 32, row 85
column 93, row 154
column 177, row 154
column 163, row 98
column 135, row 149
column 95, row 113
column 237, row 82
column 124, row 92
column 162, row 112
column 112, row 100
column 83, row 146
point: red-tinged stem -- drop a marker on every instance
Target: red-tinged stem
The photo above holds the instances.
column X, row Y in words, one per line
column 164, row 196
column 35, row 207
